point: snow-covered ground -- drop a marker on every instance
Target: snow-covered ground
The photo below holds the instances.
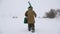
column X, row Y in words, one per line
column 42, row 26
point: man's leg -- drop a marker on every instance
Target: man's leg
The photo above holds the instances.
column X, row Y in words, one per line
column 29, row 27
column 33, row 28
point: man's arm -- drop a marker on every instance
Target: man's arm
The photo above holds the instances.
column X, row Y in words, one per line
column 34, row 14
column 26, row 13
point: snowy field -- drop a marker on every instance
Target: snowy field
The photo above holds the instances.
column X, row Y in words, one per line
column 42, row 26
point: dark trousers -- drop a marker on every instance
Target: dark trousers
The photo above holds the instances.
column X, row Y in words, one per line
column 31, row 27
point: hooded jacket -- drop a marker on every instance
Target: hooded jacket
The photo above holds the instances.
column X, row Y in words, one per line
column 30, row 14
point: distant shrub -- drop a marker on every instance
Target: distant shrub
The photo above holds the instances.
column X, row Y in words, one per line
column 51, row 14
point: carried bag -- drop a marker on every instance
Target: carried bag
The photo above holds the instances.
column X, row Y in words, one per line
column 25, row 20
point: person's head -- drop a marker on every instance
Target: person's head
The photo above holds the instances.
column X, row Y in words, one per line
column 30, row 8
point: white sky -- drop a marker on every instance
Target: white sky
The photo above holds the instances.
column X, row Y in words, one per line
column 18, row 7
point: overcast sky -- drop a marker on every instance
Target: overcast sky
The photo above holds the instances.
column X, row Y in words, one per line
column 10, row 8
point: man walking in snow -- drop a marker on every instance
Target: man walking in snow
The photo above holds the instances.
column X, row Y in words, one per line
column 30, row 14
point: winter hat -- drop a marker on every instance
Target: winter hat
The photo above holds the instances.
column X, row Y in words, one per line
column 30, row 5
